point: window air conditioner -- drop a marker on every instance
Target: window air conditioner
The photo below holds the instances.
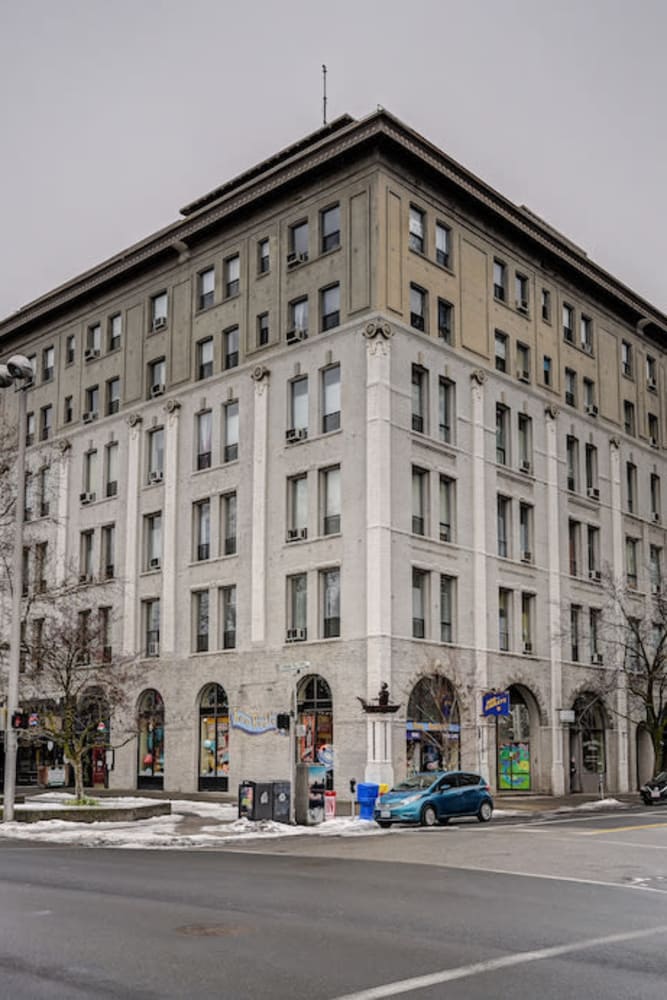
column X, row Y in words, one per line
column 295, row 635
column 154, row 563
column 527, row 647
column 153, row 648
column 157, row 389
column 523, row 375
column 85, row 578
column 296, row 434
column 651, row 383
column 654, row 442
column 526, row 557
column 89, row 416
column 86, row 497
column 294, row 336
column 90, row 353
column 292, row 534
column 596, row 658
column 591, row 409
column 159, row 323
column 656, row 588
column 593, row 493
column 595, row 575
column 156, row 476
column 656, row 516
column 522, row 305
column 587, row 348
column 525, row 466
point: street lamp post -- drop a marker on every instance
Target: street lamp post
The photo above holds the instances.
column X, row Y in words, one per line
column 18, row 373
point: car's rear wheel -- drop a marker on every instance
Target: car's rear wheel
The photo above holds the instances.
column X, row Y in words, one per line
column 485, row 812
column 384, row 824
column 429, row 816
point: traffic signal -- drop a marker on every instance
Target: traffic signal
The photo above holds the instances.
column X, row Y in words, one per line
column 19, row 720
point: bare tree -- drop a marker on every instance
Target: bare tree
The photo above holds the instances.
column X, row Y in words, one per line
column 434, row 721
column 71, row 677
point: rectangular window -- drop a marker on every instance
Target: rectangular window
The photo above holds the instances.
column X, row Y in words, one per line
column 206, row 288
column 526, row 532
column 159, row 311
column 528, row 623
column 68, row 409
column 442, row 244
column 631, row 562
column 656, row 505
column 229, row 507
column 25, row 572
column 417, row 229
column 447, row 598
column 503, row 525
column 44, row 491
column 46, row 423
column 651, row 374
column 115, row 331
column 655, row 568
column 231, row 347
column 297, row 607
column 502, row 434
column 631, row 487
column 156, row 455
column 446, row 410
column 263, row 257
column 626, row 358
column 152, row 626
column 298, row 243
column 574, row 543
column 591, row 459
column 297, row 507
column 447, row 509
column 568, row 323
column 445, row 314
column 501, row 351
column 593, row 551
column 546, row 370
column 419, row 603
column 653, row 431
column 262, row 329
column 418, row 307
column 331, row 399
column 90, row 473
column 204, row 430
column 521, row 289
column 594, row 634
column 419, row 399
column 202, row 521
column 330, row 585
column 41, row 559
column 111, row 454
column 298, row 320
column 525, row 425
column 298, row 409
column 109, row 551
column 93, row 341
column 70, row 349
column 330, row 307
column 589, row 398
column 200, row 600
column 523, row 362
column 48, row 364
column 570, row 387
column 629, row 418
column 113, row 396
column 92, row 404
column 205, row 358
column 330, row 228
column 86, row 557
column 231, row 431
column 575, row 615
column 232, row 270
column 572, row 462
column 586, row 333
column 29, row 429
column 157, row 377
column 419, row 500
column 331, row 500
column 504, row 618
column 153, row 529
column 499, row 280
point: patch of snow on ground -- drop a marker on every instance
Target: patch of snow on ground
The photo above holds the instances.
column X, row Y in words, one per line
column 592, row 806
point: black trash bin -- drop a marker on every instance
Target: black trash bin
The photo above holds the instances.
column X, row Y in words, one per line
column 281, row 801
column 255, row 800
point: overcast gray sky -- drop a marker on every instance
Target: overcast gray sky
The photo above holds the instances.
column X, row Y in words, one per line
column 115, row 113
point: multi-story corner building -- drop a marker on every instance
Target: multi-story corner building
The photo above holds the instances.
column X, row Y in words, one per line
column 354, row 419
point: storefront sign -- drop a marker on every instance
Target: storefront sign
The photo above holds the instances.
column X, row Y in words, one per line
column 253, row 722
column 496, row 703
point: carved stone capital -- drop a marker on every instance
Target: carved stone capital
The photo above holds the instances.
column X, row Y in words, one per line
column 615, row 442
column 134, row 419
column 172, row 406
column 63, row 445
column 259, row 373
column 478, row 376
column 551, row 411
column 376, row 329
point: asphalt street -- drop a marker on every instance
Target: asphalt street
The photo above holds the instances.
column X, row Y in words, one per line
column 545, row 909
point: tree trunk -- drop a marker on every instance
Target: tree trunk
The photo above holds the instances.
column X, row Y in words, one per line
column 77, row 764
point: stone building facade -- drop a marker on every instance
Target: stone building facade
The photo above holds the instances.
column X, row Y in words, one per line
column 355, row 418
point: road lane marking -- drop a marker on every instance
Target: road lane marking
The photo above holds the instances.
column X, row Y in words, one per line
column 506, row 961
column 632, row 843
column 620, row 829
column 553, row 878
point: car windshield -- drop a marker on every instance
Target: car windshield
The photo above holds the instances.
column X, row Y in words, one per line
column 661, row 777
column 414, row 783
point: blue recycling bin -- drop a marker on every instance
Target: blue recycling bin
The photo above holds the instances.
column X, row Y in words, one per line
column 366, row 796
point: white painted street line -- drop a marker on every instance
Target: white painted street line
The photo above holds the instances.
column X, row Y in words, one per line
column 479, row 968
column 553, row 878
column 621, row 829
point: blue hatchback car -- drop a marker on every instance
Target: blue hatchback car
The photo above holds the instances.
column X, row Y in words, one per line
column 434, row 797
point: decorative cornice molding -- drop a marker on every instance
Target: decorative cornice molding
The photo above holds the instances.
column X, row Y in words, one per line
column 377, row 329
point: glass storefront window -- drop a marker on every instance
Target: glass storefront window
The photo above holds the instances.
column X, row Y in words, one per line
column 150, row 763
column 213, row 739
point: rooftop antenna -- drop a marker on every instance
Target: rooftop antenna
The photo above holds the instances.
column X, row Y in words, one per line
column 324, row 94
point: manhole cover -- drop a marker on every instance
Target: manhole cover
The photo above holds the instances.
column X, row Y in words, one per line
column 211, row 930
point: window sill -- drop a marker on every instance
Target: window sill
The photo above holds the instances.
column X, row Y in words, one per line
column 328, row 253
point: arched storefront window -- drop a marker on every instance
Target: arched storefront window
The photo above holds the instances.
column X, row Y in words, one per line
column 513, row 743
column 433, row 726
column 315, row 721
column 213, row 739
column 150, row 758
column 587, row 744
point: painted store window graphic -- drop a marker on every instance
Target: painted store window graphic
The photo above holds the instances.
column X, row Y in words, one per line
column 150, row 762
column 315, row 724
column 213, row 739
column 433, row 726
column 513, row 742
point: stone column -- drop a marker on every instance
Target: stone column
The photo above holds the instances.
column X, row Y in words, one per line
column 479, row 575
column 378, row 335
column 558, row 732
column 132, row 553
column 170, row 613
column 617, row 571
column 260, row 377
column 62, row 506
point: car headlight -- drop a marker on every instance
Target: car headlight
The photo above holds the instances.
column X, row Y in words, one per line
column 408, row 799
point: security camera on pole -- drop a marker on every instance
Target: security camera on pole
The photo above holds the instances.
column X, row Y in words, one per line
column 18, row 372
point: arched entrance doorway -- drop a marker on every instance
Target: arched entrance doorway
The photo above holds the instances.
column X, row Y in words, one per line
column 587, row 744
column 513, row 744
column 213, row 739
column 433, row 726
column 314, row 706
column 150, row 745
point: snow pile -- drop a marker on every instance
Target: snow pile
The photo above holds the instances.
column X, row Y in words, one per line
column 592, row 806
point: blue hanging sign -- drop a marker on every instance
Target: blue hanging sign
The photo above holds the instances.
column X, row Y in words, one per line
column 253, row 722
column 496, row 703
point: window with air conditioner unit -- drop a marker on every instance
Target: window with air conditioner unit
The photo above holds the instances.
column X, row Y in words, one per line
column 229, row 524
column 330, row 228
column 447, row 511
column 330, row 491
column 297, row 608
column 417, row 229
column 93, row 342
column 419, row 397
column 297, row 508
column 297, row 320
column 298, row 244
column 228, row 616
column 443, row 243
column 157, row 375
column 202, row 529
column 231, row 431
column 521, row 290
column 158, row 311
column 156, row 455
column 151, row 615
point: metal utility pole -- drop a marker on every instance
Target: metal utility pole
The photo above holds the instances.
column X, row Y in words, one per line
column 324, row 94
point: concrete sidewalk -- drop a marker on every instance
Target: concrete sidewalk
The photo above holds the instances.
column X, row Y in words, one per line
column 538, row 805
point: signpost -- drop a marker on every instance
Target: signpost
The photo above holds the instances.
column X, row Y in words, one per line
column 294, row 670
column 496, row 703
